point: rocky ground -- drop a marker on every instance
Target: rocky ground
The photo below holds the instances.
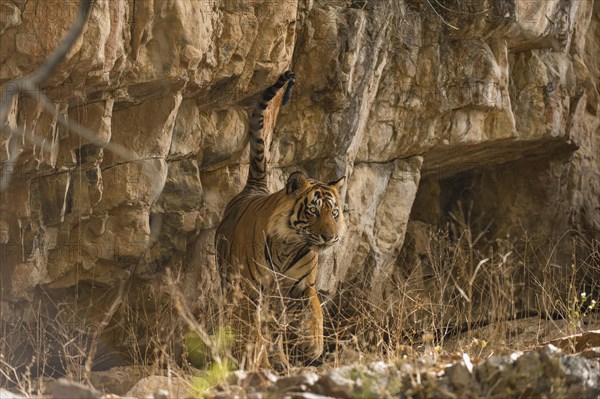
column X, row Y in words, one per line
column 546, row 372
column 567, row 367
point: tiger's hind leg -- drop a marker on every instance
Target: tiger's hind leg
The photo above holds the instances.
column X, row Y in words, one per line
column 252, row 324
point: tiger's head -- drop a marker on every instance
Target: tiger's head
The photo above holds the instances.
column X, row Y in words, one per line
column 317, row 214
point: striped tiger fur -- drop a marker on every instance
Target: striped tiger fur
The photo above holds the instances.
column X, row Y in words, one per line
column 271, row 241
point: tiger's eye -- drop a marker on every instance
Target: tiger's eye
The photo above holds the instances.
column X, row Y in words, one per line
column 313, row 210
column 335, row 213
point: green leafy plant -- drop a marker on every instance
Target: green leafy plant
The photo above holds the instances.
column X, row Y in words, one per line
column 581, row 306
column 207, row 379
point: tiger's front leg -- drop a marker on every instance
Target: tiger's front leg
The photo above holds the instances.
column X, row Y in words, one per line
column 313, row 347
column 304, row 334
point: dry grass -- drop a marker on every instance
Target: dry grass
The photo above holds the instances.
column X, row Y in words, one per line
column 449, row 292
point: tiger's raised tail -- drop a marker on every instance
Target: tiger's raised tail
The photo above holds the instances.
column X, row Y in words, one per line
column 258, row 139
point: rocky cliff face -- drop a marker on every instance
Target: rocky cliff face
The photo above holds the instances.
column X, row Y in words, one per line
column 425, row 106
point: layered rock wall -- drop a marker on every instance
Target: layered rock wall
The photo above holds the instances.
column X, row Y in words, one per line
column 421, row 104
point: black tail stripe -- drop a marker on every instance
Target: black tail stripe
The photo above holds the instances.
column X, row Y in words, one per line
column 269, row 94
column 257, row 167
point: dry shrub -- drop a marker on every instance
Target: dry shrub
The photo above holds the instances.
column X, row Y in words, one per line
column 73, row 332
column 451, row 282
column 445, row 284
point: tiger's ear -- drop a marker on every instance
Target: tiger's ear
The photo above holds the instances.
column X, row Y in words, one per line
column 297, row 182
column 337, row 184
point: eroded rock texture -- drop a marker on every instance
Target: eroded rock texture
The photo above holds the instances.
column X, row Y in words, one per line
column 423, row 106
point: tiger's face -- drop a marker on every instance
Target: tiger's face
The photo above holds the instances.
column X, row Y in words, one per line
column 317, row 216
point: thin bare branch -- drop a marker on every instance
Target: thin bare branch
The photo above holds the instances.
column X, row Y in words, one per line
column 31, row 83
column 32, row 80
column 461, row 12
column 442, row 18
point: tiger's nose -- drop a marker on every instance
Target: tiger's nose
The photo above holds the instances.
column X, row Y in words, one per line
column 329, row 237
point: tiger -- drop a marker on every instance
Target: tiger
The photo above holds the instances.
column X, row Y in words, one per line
column 270, row 242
